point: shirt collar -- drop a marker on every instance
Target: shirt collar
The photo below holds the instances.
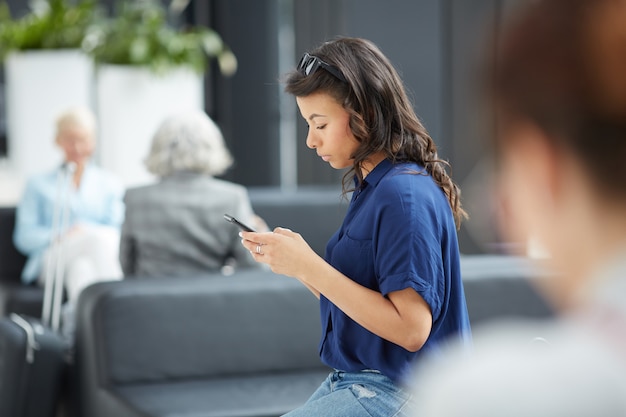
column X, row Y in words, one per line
column 379, row 171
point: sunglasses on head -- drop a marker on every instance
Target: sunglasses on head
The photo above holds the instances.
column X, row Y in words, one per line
column 310, row 63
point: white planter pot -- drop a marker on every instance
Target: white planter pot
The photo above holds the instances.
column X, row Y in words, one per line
column 131, row 103
column 39, row 86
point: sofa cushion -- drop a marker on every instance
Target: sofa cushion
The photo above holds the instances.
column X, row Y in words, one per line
column 260, row 395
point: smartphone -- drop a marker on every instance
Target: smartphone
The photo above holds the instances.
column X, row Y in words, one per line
column 242, row 226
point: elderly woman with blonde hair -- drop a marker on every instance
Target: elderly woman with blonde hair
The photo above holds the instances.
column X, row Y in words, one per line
column 176, row 227
column 91, row 200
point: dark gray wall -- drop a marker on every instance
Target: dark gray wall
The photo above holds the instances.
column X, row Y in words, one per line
column 468, row 30
column 435, row 44
column 314, row 22
column 408, row 32
column 246, row 105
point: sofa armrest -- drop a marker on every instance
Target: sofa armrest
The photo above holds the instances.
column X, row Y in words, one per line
column 11, row 260
column 15, row 297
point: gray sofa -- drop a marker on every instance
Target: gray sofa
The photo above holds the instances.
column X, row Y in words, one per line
column 226, row 346
column 242, row 345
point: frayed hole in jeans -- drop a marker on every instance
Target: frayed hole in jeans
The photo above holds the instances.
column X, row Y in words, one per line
column 361, row 392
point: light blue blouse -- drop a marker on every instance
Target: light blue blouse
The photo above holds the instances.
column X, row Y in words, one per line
column 99, row 200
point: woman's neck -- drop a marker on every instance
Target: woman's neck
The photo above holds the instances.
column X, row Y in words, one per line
column 602, row 239
column 78, row 174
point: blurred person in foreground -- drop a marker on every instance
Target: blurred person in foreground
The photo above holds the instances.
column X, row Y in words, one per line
column 559, row 92
column 176, row 226
column 92, row 199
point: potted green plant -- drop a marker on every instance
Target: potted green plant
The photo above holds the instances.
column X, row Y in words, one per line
column 45, row 71
column 141, row 34
column 52, row 24
column 146, row 68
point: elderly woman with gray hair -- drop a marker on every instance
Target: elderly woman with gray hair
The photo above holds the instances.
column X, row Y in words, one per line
column 176, row 227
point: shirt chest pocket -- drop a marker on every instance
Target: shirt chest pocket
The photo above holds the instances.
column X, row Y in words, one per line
column 355, row 259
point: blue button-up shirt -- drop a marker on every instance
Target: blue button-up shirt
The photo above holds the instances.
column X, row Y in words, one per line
column 398, row 233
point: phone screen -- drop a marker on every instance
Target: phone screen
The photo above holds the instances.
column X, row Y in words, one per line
column 233, row 220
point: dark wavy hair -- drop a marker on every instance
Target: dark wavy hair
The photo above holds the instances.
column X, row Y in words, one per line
column 382, row 118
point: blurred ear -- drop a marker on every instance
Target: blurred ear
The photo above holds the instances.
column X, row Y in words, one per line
column 528, row 184
column 545, row 164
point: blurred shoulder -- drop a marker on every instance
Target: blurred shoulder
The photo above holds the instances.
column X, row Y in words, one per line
column 43, row 178
column 140, row 192
column 518, row 368
column 187, row 188
column 44, row 183
column 229, row 187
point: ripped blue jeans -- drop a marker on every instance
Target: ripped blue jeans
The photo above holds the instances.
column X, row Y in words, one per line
column 356, row 394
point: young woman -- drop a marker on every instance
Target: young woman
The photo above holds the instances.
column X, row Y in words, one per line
column 389, row 287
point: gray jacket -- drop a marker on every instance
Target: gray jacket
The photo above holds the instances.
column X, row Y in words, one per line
column 176, row 227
